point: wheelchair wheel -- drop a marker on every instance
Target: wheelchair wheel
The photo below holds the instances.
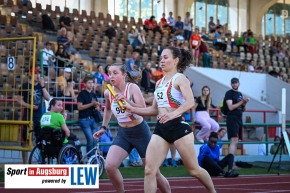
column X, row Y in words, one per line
column 98, row 160
column 69, row 155
column 36, row 156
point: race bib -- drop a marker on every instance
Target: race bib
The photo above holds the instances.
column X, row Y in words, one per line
column 45, row 120
column 194, row 42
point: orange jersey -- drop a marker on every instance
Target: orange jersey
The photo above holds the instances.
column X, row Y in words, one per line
column 195, row 40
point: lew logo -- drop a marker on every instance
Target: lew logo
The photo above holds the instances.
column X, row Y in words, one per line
column 52, row 176
column 84, row 176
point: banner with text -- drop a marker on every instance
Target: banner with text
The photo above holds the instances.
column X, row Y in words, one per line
column 51, row 176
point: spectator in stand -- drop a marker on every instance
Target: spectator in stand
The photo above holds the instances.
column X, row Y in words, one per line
column 63, row 59
column 251, row 66
column 140, row 43
column 48, row 58
column 132, row 35
column 106, row 75
column 187, row 26
column 208, row 158
column 251, row 42
column 131, row 66
column 218, row 40
column 99, row 79
column 179, row 25
column 63, row 39
column 211, row 25
column 65, row 21
column 163, row 22
column 171, row 22
column 147, row 81
column 151, row 24
column 208, row 124
column 218, row 23
column 62, row 81
column 195, row 41
column 158, row 73
column 242, row 42
column 203, row 50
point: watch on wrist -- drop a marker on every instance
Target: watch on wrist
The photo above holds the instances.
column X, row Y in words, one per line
column 104, row 127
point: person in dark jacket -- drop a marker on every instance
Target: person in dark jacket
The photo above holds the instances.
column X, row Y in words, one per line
column 208, row 158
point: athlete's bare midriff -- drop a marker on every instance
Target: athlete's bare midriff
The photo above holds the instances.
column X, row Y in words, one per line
column 131, row 123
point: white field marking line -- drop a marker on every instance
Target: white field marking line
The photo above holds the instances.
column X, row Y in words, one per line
column 273, row 191
column 108, row 191
column 240, row 177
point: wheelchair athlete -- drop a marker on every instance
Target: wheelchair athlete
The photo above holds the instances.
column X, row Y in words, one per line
column 54, row 122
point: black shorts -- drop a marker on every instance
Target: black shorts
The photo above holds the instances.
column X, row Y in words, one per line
column 234, row 126
column 137, row 136
column 172, row 130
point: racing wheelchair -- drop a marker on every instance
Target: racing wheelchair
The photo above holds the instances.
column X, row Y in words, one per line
column 50, row 149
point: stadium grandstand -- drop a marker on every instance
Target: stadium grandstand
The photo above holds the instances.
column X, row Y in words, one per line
column 72, row 39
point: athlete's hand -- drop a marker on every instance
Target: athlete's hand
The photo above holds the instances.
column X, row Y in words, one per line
column 119, row 96
column 128, row 107
column 98, row 134
column 166, row 117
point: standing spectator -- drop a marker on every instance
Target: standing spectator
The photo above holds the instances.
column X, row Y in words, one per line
column 87, row 104
column 218, row 24
column 69, row 95
column 211, row 25
column 163, row 21
column 131, row 66
column 203, row 50
column 195, row 41
column 208, row 125
column 62, row 81
column 171, row 100
column 208, row 158
column 23, row 99
column 147, row 81
column 236, row 104
column 179, row 25
column 171, row 22
column 133, row 131
column 187, row 26
column 48, row 58
column 65, row 21
column 63, row 58
column 64, row 40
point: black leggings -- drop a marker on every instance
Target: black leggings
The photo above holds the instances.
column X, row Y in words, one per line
column 215, row 169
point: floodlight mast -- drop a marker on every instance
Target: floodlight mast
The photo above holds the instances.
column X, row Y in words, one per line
column 284, row 132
